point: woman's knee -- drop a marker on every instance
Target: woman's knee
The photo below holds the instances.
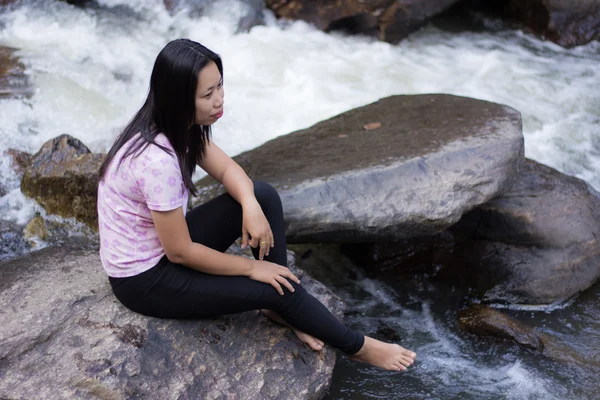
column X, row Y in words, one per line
column 265, row 194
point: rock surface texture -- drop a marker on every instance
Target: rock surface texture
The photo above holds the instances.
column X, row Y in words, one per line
column 535, row 245
column 389, row 20
column 433, row 158
column 62, row 177
column 63, row 334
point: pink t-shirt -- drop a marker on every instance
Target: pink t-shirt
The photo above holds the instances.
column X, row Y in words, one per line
column 129, row 243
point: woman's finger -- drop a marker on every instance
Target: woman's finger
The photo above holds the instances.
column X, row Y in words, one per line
column 272, row 238
column 244, row 238
column 288, row 274
column 277, row 287
column 263, row 247
column 285, row 283
column 253, row 242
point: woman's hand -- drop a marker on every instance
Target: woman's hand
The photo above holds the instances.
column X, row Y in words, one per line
column 256, row 230
column 273, row 274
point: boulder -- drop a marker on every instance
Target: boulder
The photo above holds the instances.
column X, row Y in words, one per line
column 432, row 159
column 13, row 80
column 64, row 334
column 62, row 177
column 389, row 20
column 536, row 245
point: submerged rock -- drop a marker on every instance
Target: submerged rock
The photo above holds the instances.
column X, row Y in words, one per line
column 484, row 321
column 434, row 158
column 63, row 333
column 388, row 20
column 62, row 177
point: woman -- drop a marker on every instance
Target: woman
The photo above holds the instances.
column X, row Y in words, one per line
column 164, row 263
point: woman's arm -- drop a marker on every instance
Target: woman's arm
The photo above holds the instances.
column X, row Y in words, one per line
column 255, row 227
column 175, row 239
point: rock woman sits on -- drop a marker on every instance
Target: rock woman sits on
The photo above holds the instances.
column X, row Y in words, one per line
column 165, row 263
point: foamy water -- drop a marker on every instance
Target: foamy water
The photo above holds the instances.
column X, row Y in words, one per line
column 90, row 71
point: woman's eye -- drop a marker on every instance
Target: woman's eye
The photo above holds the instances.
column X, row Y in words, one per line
column 208, row 95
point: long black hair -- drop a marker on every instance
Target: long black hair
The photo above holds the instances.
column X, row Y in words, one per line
column 170, row 108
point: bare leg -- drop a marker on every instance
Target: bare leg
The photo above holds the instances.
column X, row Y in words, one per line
column 388, row 356
column 312, row 341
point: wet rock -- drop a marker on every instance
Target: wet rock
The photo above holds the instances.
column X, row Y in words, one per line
column 567, row 23
column 434, row 158
column 63, row 331
column 13, row 80
column 388, row 20
column 535, row 245
column 485, row 321
column 62, row 177
column 12, row 243
column 35, row 230
column 20, row 160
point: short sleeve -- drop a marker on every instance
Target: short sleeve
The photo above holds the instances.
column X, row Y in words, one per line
column 161, row 184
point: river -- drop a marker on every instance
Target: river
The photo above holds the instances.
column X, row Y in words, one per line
column 90, row 69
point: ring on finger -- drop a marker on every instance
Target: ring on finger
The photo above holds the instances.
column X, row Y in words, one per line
column 263, row 242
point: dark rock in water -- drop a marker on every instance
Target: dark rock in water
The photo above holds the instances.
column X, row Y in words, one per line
column 63, row 331
column 62, row 177
column 13, row 80
column 485, row 321
column 388, row 20
column 12, row 243
column 567, row 23
column 434, row 158
column 537, row 244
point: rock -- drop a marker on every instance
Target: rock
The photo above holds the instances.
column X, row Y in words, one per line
column 536, row 245
column 13, row 80
column 434, row 158
column 567, row 23
column 63, row 332
column 35, row 229
column 388, row 20
column 62, row 177
column 484, row 321
column 12, row 243
column 20, row 160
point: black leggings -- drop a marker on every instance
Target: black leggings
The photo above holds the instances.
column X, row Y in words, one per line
column 174, row 291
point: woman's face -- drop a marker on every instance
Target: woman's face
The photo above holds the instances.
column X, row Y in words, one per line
column 209, row 95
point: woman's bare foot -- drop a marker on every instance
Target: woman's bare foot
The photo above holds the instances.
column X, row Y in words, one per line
column 388, row 356
column 312, row 341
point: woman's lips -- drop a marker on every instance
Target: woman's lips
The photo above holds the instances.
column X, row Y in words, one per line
column 219, row 115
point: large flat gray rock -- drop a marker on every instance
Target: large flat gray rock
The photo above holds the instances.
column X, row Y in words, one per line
column 433, row 158
column 64, row 335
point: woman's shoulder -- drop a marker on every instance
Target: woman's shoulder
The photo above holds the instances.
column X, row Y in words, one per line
column 156, row 154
